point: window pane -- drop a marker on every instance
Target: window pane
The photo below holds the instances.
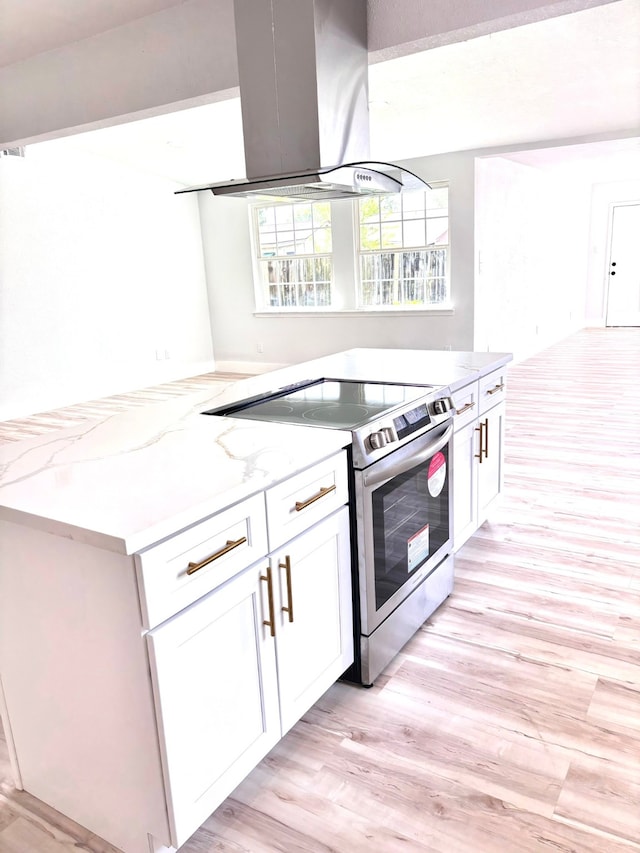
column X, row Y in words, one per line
column 390, row 206
column 322, row 241
column 306, row 269
column 438, row 231
column 413, row 205
column 370, row 237
column 414, row 233
column 266, row 218
column 369, row 209
column 323, row 294
column 323, row 269
column 321, row 214
column 438, row 198
column 284, row 215
column 286, row 243
column 391, row 235
column 268, row 244
column 302, row 215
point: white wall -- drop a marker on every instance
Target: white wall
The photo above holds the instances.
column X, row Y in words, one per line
column 286, row 339
column 531, row 239
column 100, row 267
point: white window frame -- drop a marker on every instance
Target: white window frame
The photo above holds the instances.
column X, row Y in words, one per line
column 360, row 253
column 346, row 272
column 261, row 288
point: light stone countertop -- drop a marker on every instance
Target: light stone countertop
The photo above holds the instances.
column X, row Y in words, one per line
column 128, row 480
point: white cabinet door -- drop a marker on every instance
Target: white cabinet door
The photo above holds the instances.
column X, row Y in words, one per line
column 490, row 471
column 465, row 483
column 214, row 677
column 314, row 634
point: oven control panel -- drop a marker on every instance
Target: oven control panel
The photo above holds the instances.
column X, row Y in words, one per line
column 408, row 422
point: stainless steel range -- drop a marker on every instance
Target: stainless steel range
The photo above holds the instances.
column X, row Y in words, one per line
column 400, row 494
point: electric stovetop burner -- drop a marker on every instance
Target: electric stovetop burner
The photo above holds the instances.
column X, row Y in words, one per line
column 332, row 403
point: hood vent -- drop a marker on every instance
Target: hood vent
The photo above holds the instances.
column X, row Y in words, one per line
column 303, row 70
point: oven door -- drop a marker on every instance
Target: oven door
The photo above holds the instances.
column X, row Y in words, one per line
column 404, row 522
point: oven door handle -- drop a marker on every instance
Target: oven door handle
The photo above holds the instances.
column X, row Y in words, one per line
column 406, row 459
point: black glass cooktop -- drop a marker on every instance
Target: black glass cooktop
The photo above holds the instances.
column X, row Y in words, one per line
column 333, row 403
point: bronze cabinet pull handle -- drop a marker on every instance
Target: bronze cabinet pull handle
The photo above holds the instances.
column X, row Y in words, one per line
column 486, row 438
column 465, row 408
column 287, row 567
column 271, row 621
column 323, row 491
column 194, row 567
column 495, row 389
column 480, row 429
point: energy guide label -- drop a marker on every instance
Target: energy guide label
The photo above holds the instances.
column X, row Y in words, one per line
column 418, row 548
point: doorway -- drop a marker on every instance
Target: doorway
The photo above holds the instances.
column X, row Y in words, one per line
column 623, row 272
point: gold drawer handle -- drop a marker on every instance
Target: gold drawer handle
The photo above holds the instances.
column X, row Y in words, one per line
column 194, row 567
column 271, row 621
column 496, row 389
column 465, row 408
column 483, row 429
column 323, row 491
column 480, row 429
column 287, row 567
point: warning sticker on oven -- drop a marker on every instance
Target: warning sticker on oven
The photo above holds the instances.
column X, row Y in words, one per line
column 437, row 474
column 418, row 548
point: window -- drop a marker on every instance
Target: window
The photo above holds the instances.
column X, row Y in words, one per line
column 386, row 253
column 294, row 254
column 404, row 250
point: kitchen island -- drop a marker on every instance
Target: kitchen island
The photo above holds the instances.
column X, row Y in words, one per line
column 95, row 681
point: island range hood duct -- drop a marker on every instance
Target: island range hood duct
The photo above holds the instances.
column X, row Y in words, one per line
column 303, row 70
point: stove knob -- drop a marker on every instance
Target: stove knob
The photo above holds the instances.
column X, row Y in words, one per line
column 442, row 405
column 381, row 438
column 377, row 440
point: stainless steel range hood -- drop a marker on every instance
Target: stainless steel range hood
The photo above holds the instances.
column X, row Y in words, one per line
column 303, row 72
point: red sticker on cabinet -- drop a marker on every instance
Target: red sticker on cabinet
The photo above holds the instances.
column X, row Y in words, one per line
column 437, row 474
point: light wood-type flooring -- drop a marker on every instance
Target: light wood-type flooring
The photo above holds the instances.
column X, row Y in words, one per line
column 511, row 722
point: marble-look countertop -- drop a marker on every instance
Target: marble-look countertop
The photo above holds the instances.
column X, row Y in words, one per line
column 126, row 481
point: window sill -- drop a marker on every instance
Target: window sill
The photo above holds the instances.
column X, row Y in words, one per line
column 437, row 311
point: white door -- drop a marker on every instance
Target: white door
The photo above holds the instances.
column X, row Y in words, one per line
column 465, row 483
column 314, row 634
column 214, row 676
column 623, row 301
column 490, row 470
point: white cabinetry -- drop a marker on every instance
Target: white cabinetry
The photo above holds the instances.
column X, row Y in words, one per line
column 236, row 669
column 136, row 693
column 314, row 635
column 478, row 449
column 214, row 674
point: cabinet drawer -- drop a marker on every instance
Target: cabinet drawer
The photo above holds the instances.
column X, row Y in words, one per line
column 175, row 573
column 493, row 389
column 305, row 498
column 465, row 405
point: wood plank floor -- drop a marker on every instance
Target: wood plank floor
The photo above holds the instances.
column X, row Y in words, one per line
column 511, row 722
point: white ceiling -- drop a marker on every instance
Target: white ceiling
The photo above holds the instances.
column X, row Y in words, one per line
column 29, row 27
column 570, row 76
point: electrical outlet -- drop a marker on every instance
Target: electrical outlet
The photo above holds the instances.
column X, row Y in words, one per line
column 259, row 347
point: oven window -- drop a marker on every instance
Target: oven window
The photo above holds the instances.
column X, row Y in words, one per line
column 410, row 523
